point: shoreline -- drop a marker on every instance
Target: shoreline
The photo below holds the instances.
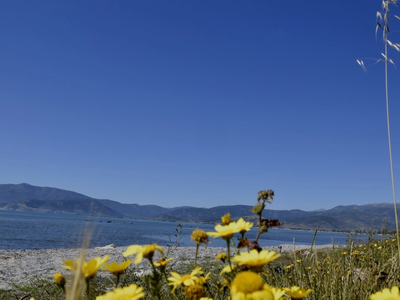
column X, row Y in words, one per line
column 19, row 266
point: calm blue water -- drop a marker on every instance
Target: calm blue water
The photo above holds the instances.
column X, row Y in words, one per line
column 27, row 230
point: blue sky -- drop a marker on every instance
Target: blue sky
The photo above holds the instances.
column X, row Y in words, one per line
column 199, row 103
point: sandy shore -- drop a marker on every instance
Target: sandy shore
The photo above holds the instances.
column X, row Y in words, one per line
column 17, row 266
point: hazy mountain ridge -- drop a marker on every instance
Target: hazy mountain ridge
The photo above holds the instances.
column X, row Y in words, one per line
column 88, row 207
column 24, row 191
column 25, row 197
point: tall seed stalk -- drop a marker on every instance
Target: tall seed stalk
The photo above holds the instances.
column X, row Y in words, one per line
column 383, row 23
column 385, row 6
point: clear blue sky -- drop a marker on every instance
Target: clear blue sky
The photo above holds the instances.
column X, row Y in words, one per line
column 199, row 103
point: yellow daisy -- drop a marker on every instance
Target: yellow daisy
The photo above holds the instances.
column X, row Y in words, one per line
column 194, row 291
column 59, row 279
column 250, row 286
column 132, row 292
column 146, row 251
column 89, row 269
column 243, row 226
column 226, row 269
column 117, row 269
column 226, row 232
column 226, row 219
column 199, row 236
column 387, row 294
column 203, row 279
column 222, row 257
column 162, row 262
column 296, row 292
column 256, row 260
column 188, row 279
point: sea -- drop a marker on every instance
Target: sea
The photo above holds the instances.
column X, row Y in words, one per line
column 32, row 230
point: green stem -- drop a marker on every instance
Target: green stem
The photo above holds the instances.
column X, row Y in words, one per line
column 116, row 285
column 229, row 253
column 154, row 268
column 155, row 276
column 88, row 289
column 223, row 294
column 259, row 225
column 197, row 251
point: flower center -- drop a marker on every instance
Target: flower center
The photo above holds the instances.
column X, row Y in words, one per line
column 148, row 251
column 248, row 282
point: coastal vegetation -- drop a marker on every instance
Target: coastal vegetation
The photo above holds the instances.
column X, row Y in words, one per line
column 358, row 270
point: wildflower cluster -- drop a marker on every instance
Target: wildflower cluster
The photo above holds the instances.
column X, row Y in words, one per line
column 367, row 270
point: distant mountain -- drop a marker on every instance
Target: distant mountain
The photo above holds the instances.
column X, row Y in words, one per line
column 135, row 210
column 350, row 217
column 27, row 197
column 24, row 191
column 71, row 206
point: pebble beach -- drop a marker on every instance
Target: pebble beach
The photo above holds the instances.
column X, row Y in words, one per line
column 19, row 266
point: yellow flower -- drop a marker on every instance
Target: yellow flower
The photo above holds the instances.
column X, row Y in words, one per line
column 59, row 279
column 226, row 269
column 162, row 262
column 199, row 236
column 226, row 219
column 188, row 279
column 132, row 292
column 289, row 267
column 256, row 260
column 222, row 257
column 250, row 286
column 298, row 261
column 117, row 269
column 203, row 279
column 296, row 292
column 89, row 269
column 225, row 232
column 194, row 291
column 243, row 226
column 146, row 251
column 356, row 253
column 387, row 294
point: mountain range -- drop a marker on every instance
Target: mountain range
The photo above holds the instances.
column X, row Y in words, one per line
column 26, row 197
